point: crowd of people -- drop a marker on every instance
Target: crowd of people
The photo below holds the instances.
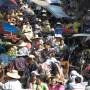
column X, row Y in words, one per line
column 38, row 59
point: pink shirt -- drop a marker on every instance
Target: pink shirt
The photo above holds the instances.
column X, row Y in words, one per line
column 56, row 87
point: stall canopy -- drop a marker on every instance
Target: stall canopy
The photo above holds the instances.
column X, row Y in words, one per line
column 57, row 11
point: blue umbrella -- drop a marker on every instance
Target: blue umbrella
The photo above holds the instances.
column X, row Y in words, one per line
column 9, row 28
column 57, row 11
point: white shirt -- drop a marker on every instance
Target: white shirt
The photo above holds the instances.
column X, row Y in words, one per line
column 77, row 86
column 23, row 51
column 12, row 85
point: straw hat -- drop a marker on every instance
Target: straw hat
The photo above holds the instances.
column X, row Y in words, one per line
column 31, row 56
column 22, row 44
column 36, row 37
column 58, row 23
column 13, row 74
column 28, row 37
column 47, row 22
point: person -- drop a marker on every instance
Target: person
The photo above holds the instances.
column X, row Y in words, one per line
column 30, row 66
column 74, row 74
column 78, row 85
column 22, row 49
column 45, row 53
column 33, row 79
column 60, row 46
column 12, row 83
column 27, row 30
column 52, row 85
column 56, row 84
column 86, row 73
column 40, row 85
column 1, row 76
column 12, row 52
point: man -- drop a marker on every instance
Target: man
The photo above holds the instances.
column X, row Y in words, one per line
column 45, row 54
column 12, row 82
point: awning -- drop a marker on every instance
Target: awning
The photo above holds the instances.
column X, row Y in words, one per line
column 57, row 11
column 81, row 35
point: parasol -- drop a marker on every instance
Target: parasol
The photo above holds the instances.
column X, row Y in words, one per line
column 8, row 28
column 8, row 4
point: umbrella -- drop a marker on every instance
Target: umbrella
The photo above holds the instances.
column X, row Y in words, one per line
column 40, row 2
column 8, row 4
column 8, row 28
column 57, row 11
column 7, row 1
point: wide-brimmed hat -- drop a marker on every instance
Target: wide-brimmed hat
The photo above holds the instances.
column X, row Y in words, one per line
column 22, row 44
column 21, row 55
column 31, row 56
column 47, row 22
column 41, row 2
column 13, row 74
column 35, row 73
column 58, row 36
column 28, row 37
column 44, row 15
column 58, row 23
column 36, row 37
column 74, row 73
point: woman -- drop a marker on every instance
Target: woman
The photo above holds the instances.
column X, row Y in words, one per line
column 56, row 84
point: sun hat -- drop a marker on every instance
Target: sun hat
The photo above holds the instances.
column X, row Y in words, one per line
column 36, row 37
column 58, row 36
column 47, row 22
column 22, row 44
column 35, row 73
column 28, row 36
column 31, row 56
column 13, row 74
column 74, row 73
column 58, row 23
column 21, row 55
column 44, row 14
